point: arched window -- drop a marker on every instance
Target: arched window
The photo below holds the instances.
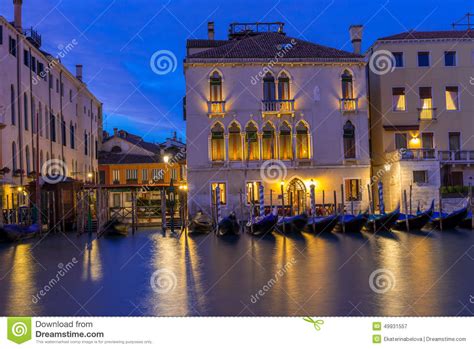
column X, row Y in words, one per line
column 12, row 104
column 269, row 88
column 284, row 87
column 72, row 135
column 286, row 152
column 14, row 157
column 86, row 143
column 217, row 143
column 27, row 160
column 268, row 142
column 25, row 105
column 235, row 142
column 251, row 142
column 302, row 141
column 215, row 87
column 349, row 141
column 116, row 149
column 347, row 85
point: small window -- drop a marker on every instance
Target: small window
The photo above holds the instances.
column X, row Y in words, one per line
column 1, row 34
column 423, row 59
column 253, row 192
column 401, row 141
column 116, row 200
column 223, row 193
column 116, row 176
column 145, row 175
column 450, row 58
column 174, row 174
column 26, row 58
column 157, row 174
column 33, row 64
column 12, row 46
column 398, row 57
column 420, row 177
column 131, row 174
column 398, row 99
column 70, row 96
column 452, row 98
column 352, row 190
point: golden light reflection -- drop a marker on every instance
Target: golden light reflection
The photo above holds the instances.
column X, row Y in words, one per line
column 92, row 263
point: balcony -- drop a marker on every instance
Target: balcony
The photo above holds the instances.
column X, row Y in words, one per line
column 415, row 154
column 215, row 108
column 132, row 181
column 456, row 156
column 278, row 107
column 349, row 105
column 426, row 114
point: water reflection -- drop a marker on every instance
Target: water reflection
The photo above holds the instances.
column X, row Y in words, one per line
column 92, row 264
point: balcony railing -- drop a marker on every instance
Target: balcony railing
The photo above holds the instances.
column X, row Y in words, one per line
column 456, row 156
column 216, row 108
column 349, row 105
column 426, row 113
column 132, row 181
column 414, row 154
column 284, row 106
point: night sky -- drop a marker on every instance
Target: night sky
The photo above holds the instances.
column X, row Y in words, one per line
column 116, row 40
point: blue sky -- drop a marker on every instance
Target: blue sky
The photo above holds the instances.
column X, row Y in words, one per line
column 116, row 40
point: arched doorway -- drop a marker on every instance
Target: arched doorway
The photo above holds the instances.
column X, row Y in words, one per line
column 296, row 193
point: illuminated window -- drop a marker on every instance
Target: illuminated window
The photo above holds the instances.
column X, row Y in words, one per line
column 426, row 103
column 251, row 143
column 398, row 98
column 131, row 174
column 347, row 85
column 223, row 193
column 352, row 190
column 286, row 151
column 269, row 88
column 235, row 142
column 174, row 174
column 268, row 142
column 217, row 143
column 116, row 200
column 349, row 141
column 284, row 87
column 452, row 98
column 216, row 87
column 116, row 176
column 253, row 193
column 302, row 141
column 144, row 174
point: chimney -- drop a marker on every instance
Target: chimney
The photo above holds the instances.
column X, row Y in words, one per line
column 355, row 31
column 115, row 131
column 17, row 13
column 79, row 72
column 210, row 30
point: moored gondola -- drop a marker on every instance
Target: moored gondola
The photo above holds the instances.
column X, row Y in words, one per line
column 262, row 225
column 449, row 221
column 15, row 232
column 115, row 228
column 378, row 222
column 292, row 225
column 320, row 224
column 415, row 222
column 228, row 225
column 200, row 224
column 466, row 223
column 351, row 223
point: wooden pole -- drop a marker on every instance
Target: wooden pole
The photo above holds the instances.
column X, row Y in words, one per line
column 440, row 211
column 290, row 203
column 406, row 209
column 343, row 208
column 271, row 200
column 324, row 204
column 163, row 210
column 282, row 201
column 369, row 195
column 411, row 196
column 134, row 211
column 241, row 209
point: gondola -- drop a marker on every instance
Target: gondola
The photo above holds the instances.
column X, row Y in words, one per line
column 415, row 222
column 115, row 228
column 449, row 221
column 466, row 223
column 384, row 221
column 15, row 232
column 351, row 223
column 200, row 224
column 323, row 224
column 262, row 225
column 228, row 225
column 292, row 225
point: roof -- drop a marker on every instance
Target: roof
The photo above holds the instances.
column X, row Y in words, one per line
column 202, row 43
column 270, row 45
column 136, row 140
column 424, row 35
column 118, row 158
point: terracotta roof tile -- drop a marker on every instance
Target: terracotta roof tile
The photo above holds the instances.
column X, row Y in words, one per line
column 419, row 35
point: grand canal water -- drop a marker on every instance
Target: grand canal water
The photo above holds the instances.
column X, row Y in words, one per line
column 426, row 274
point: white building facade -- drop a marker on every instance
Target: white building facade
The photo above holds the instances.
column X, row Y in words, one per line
column 264, row 108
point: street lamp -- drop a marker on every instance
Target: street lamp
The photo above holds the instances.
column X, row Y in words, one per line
column 166, row 159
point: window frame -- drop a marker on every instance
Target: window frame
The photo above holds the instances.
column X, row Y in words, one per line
column 394, row 54
column 428, row 54
column 455, row 60
column 458, row 98
column 426, row 177
column 219, row 183
column 404, row 98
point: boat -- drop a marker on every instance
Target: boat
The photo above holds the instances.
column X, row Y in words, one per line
column 351, row 223
column 385, row 221
column 15, row 232
column 415, row 222
column 262, row 225
column 228, row 225
column 115, row 228
column 322, row 224
column 466, row 223
column 201, row 224
column 292, row 225
column 449, row 221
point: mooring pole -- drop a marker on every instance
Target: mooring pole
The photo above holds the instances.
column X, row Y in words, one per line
column 406, row 209
column 343, row 208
